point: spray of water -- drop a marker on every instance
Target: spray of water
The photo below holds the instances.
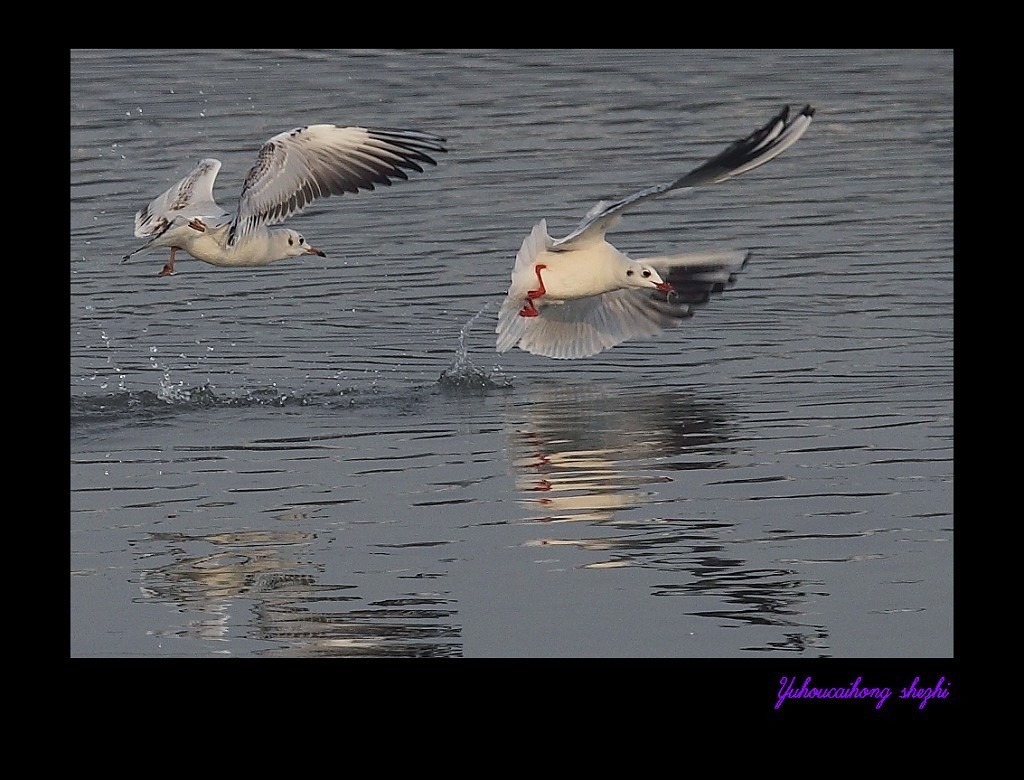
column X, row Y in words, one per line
column 463, row 374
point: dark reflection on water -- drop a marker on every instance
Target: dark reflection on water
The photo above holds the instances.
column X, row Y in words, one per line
column 257, row 579
column 584, row 455
column 750, row 595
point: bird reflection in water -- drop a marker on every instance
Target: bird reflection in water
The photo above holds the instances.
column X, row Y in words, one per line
column 603, row 463
column 587, row 456
column 251, row 586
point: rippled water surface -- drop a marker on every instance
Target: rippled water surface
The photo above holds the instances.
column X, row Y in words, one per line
column 326, row 457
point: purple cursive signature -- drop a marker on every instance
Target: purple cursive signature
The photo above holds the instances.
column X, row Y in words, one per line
column 788, row 689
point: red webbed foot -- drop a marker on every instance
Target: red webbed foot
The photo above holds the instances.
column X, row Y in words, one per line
column 529, row 310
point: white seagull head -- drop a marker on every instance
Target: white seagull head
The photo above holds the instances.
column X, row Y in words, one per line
column 290, row 243
column 635, row 274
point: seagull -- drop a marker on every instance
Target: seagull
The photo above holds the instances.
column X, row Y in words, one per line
column 292, row 170
column 577, row 296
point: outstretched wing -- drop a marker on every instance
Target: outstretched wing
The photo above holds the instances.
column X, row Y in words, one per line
column 190, row 197
column 295, row 168
column 739, row 157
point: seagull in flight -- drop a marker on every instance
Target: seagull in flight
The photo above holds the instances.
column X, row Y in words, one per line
column 292, row 170
column 577, row 296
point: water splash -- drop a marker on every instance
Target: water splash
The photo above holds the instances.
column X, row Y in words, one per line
column 177, row 394
column 463, row 374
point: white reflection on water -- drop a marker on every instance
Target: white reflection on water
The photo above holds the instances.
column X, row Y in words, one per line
column 584, row 455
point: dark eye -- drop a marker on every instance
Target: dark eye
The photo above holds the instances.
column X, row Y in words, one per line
column 646, row 274
column 629, row 272
column 301, row 240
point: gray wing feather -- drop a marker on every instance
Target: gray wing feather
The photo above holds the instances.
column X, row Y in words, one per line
column 299, row 166
column 190, row 197
column 587, row 326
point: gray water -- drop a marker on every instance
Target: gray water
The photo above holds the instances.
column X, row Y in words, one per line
column 326, row 457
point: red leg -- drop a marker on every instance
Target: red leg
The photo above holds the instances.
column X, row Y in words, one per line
column 168, row 269
column 529, row 310
column 540, row 290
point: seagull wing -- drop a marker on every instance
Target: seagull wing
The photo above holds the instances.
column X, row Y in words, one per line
column 533, row 245
column 511, row 327
column 190, row 197
column 295, row 168
column 739, row 157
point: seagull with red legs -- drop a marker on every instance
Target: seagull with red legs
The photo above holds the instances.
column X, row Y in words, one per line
column 577, row 296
